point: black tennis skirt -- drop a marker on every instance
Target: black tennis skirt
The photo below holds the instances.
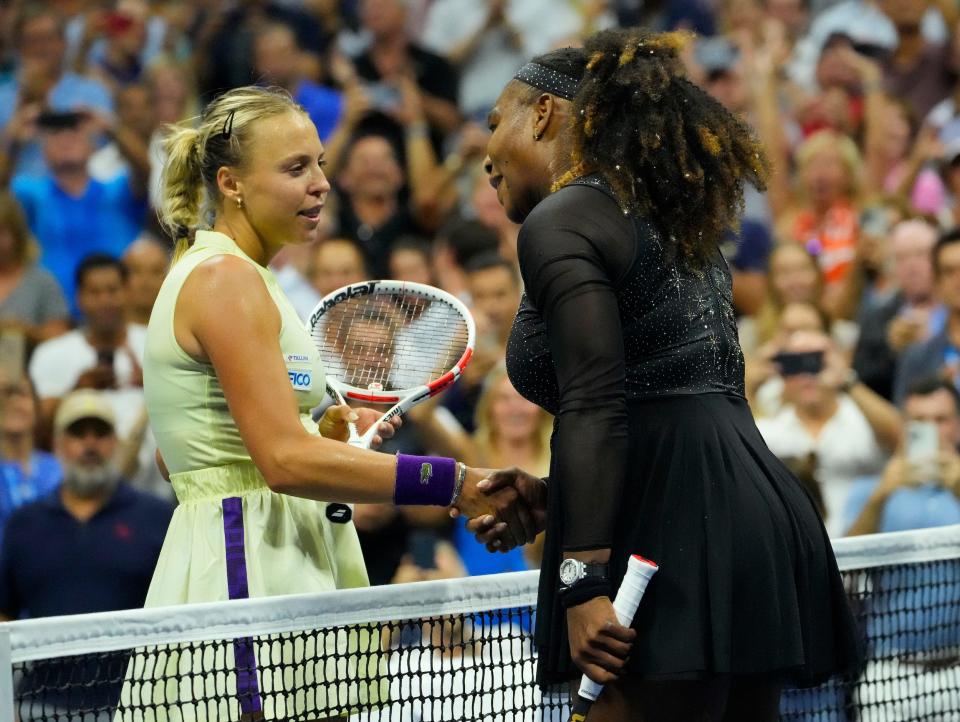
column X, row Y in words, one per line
column 748, row 583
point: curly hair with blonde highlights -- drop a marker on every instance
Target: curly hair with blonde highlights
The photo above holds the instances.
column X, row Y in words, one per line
column 670, row 151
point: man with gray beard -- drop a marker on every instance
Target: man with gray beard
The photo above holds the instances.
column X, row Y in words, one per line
column 90, row 546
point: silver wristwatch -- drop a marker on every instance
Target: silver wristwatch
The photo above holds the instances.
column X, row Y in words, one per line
column 574, row 570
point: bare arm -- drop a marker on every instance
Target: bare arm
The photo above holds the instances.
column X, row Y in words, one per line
column 421, row 158
column 21, row 129
column 441, row 113
column 927, row 147
column 128, row 454
column 136, row 151
column 770, row 130
column 869, row 520
column 355, row 106
column 882, row 416
column 260, row 398
column 262, row 403
column 894, row 476
column 438, row 190
column 845, row 302
column 496, row 20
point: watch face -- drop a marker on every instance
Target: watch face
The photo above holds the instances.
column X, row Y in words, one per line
column 569, row 571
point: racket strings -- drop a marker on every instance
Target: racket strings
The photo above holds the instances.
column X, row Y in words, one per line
column 390, row 342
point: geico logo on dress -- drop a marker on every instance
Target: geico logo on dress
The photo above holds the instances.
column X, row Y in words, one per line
column 300, row 379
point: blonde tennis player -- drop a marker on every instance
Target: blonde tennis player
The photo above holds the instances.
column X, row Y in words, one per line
column 230, row 375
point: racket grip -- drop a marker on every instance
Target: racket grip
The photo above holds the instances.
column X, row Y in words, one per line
column 639, row 573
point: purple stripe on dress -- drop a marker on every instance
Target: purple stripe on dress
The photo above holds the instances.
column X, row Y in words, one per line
column 248, row 689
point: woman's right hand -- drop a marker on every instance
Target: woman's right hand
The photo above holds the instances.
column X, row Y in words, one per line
column 492, row 531
column 761, row 367
column 505, row 504
column 336, row 420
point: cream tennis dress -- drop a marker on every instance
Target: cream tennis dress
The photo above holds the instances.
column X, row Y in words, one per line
column 285, row 544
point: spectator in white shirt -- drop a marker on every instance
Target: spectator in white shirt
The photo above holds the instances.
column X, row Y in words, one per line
column 828, row 412
column 105, row 353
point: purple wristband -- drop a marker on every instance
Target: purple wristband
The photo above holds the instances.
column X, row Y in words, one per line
column 425, row 480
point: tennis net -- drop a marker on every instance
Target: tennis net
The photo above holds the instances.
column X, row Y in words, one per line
column 450, row 650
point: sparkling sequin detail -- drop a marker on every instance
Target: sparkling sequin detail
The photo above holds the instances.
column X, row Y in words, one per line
column 678, row 324
column 540, row 76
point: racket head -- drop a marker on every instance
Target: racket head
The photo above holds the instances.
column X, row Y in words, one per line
column 387, row 341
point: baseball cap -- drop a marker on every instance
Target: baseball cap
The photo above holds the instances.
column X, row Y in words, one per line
column 83, row 404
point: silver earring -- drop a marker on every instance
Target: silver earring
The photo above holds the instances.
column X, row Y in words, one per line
column 239, row 202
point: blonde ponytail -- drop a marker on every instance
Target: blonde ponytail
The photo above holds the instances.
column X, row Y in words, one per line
column 182, row 184
column 197, row 149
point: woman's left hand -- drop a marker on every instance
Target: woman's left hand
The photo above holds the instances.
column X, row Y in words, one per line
column 599, row 644
column 334, row 424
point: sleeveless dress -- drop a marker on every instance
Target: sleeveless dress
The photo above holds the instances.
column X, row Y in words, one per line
column 655, row 452
column 232, row 537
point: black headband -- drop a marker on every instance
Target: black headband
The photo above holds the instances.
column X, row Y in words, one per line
column 548, row 79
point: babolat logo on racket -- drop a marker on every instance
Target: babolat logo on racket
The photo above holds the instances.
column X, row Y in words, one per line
column 301, row 380
column 426, row 472
column 359, row 289
column 339, row 513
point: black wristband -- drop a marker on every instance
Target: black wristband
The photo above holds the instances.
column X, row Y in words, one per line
column 583, row 591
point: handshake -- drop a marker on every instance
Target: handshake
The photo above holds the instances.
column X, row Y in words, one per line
column 504, row 509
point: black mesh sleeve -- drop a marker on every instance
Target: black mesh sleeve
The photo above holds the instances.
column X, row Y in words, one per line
column 570, row 268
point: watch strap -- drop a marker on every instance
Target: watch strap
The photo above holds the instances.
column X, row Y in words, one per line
column 584, row 590
column 597, row 569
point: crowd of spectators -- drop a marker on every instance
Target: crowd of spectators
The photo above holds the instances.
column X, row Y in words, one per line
column 846, row 271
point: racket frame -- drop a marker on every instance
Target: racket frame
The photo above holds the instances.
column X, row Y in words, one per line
column 404, row 399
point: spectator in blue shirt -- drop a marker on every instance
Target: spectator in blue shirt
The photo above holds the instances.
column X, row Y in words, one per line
column 914, row 493
column 911, row 620
column 40, row 83
column 92, row 545
column 26, row 473
column 72, row 214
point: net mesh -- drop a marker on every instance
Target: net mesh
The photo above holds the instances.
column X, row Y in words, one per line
column 385, row 341
column 457, row 650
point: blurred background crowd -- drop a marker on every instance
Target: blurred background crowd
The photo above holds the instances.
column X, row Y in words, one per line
column 846, row 270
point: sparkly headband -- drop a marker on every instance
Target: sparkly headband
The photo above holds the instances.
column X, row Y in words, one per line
column 548, row 79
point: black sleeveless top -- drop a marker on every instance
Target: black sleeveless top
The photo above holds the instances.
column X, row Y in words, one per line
column 611, row 316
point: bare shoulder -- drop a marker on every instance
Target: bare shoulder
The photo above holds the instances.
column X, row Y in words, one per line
column 223, row 298
column 225, row 275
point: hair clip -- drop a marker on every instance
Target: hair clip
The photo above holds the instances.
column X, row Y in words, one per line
column 228, row 125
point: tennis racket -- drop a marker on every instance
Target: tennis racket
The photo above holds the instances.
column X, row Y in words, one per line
column 391, row 343
column 639, row 573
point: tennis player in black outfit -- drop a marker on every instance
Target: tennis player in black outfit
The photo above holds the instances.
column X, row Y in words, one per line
column 625, row 175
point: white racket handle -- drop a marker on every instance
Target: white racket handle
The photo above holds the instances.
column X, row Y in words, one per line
column 639, row 573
